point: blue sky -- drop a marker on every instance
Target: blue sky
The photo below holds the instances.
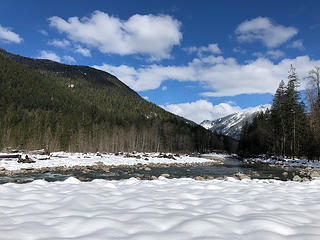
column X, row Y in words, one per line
column 198, row 59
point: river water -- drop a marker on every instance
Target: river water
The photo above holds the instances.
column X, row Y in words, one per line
column 229, row 167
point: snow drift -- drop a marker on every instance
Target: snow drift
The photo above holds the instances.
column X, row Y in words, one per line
column 160, row 209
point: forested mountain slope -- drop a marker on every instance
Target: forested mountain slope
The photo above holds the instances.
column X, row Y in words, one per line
column 78, row 108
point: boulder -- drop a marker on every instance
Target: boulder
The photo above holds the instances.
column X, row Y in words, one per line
column 166, row 175
column 200, row 178
column 26, row 160
column 241, row 176
column 297, row 178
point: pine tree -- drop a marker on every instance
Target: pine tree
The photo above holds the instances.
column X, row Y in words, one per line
column 283, row 131
column 294, row 114
column 278, row 120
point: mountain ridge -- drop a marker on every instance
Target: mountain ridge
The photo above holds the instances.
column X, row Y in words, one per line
column 232, row 124
column 79, row 108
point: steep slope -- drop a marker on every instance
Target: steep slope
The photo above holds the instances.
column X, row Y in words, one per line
column 78, row 108
column 231, row 125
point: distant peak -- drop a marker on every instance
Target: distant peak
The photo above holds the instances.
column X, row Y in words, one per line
column 232, row 124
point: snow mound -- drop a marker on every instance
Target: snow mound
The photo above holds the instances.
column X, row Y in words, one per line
column 161, row 209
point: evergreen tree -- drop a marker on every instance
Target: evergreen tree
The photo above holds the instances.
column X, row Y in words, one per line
column 278, row 120
column 295, row 114
column 282, row 132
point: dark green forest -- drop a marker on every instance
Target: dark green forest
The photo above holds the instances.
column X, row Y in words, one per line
column 292, row 127
column 44, row 104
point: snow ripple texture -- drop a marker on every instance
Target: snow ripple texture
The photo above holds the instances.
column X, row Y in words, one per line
column 160, row 209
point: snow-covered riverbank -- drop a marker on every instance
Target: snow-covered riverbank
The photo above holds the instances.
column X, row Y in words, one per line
column 160, row 209
column 57, row 159
column 287, row 162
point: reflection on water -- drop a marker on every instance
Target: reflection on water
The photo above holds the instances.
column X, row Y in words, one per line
column 229, row 167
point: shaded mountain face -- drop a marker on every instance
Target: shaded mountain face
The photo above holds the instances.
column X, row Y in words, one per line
column 45, row 104
column 69, row 71
column 232, row 124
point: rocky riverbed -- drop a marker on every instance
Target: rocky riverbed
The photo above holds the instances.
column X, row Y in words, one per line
column 208, row 170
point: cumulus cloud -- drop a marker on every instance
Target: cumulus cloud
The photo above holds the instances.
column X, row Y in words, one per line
column 49, row 55
column 275, row 54
column 153, row 35
column 149, row 77
column 262, row 29
column 212, row 48
column 297, row 44
column 221, row 76
column 59, row 43
column 224, row 109
column 83, row 51
column 69, row 59
column 6, row 35
column 201, row 110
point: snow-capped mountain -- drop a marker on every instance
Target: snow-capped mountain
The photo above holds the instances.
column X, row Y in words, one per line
column 232, row 124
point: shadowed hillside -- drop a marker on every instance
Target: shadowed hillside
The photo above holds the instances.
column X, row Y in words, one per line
column 44, row 104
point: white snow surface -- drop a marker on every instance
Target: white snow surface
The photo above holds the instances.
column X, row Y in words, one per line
column 88, row 159
column 160, row 209
column 215, row 155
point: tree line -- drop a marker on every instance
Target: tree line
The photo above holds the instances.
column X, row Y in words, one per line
column 291, row 128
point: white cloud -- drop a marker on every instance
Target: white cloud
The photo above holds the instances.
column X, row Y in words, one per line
column 212, row 48
column 262, row 29
column 140, row 34
column 49, row 55
column 239, row 50
column 297, row 44
column 224, row 109
column 221, row 76
column 6, row 35
column 275, row 54
column 69, row 59
column 202, row 110
column 258, row 54
column 59, row 43
column 164, row 88
column 43, row 32
column 146, row 98
column 272, row 54
column 259, row 76
column 83, row 51
column 149, row 77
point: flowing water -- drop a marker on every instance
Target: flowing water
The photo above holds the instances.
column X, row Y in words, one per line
column 229, row 167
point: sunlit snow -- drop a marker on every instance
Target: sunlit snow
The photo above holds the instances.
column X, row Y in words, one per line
column 88, row 159
column 160, row 209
